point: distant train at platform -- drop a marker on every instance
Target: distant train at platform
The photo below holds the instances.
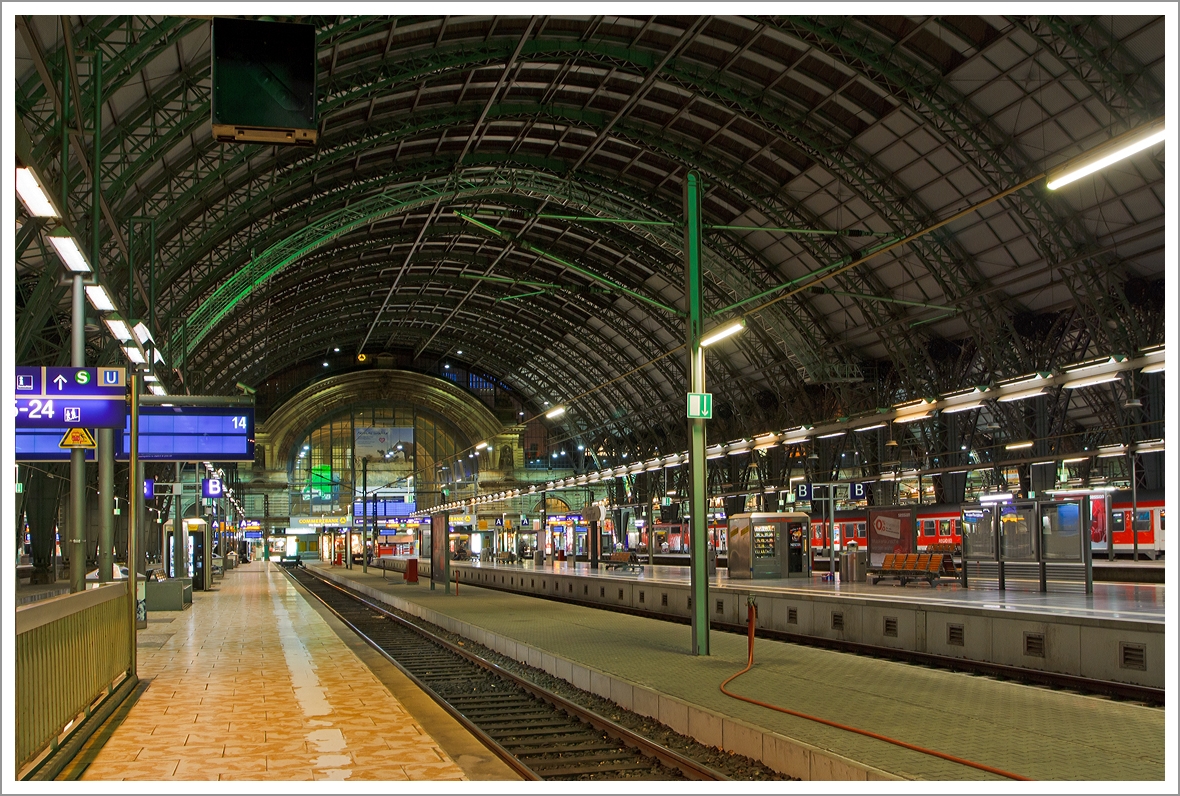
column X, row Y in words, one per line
column 939, row 524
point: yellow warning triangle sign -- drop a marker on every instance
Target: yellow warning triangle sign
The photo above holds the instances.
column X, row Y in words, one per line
column 77, row 438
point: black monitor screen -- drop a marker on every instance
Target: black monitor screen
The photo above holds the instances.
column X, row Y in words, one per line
column 264, row 74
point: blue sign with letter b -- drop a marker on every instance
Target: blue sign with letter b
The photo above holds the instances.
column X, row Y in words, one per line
column 211, row 487
column 802, row 491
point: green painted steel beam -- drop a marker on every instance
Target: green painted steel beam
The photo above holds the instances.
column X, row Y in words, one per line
column 526, row 246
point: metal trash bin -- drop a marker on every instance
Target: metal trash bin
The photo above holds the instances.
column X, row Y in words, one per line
column 853, row 566
column 539, row 557
column 711, row 563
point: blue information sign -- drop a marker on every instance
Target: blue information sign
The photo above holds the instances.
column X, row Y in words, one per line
column 802, row 491
column 71, row 397
column 149, row 489
column 212, row 488
column 192, row 433
column 41, row 445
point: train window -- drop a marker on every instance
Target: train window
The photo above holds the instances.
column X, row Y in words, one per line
column 1161, row 520
column 927, row 527
column 860, row 530
column 1143, row 521
column 1118, row 521
column 944, row 527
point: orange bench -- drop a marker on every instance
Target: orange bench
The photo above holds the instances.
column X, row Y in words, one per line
column 907, row 567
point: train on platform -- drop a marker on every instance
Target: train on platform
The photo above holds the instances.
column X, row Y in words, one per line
column 940, row 524
column 939, row 528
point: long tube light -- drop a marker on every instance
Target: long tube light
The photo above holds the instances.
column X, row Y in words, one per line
column 97, row 295
column 33, row 195
column 67, row 249
column 912, row 417
column 963, row 407
column 872, row 427
column 995, row 497
column 1111, row 152
column 556, row 411
column 1091, row 381
column 1018, row 446
column 724, row 332
column 134, row 354
column 1157, row 367
column 1020, row 396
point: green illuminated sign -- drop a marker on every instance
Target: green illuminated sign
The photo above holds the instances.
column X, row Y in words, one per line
column 700, row 405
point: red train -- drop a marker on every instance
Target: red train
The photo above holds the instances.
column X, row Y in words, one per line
column 939, row 524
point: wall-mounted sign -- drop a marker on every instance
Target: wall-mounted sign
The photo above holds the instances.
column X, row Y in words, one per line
column 212, row 488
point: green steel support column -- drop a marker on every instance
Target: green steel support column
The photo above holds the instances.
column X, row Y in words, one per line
column 697, row 462
column 135, row 483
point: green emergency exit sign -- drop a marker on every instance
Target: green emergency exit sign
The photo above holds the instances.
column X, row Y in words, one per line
column 700, row 405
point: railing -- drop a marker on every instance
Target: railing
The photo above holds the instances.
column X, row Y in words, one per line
column 69, row 651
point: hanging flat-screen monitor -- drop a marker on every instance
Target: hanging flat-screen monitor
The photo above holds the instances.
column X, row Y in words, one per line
column 264, row 82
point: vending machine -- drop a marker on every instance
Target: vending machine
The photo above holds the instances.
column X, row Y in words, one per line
column 769, row 545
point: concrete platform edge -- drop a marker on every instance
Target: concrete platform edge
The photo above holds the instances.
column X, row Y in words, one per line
column 785, row 755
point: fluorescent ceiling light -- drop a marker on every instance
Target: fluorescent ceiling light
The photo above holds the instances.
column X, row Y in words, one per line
column 151, row 377
column 1020, row 396
column 134, row 354
column 1075, row 460
column 1091, row 381
column 157, row 389
column 765, row 439
column 1018, row 446
column 796, row 440
column 157, row 357
column 1112, row 152
column 36, row 201
column 911, row 418
column 833, row 435
column 963, row 407
column 871, row 428
column 556, row 411
column 68, row 251
column 1157, row 367
column 995, row 497
column 142, row 333
column 481, row 446
column 724, row 332
column 118, row 328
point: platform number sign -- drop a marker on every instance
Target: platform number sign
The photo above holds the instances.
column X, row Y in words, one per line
column 802, row 491
column 857, row 492
column 149, row 489
column 211, row 488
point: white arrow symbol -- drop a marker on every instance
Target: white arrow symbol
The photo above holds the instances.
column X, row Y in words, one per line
column 60, row 381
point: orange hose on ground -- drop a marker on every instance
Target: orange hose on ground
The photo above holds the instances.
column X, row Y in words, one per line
column 914, row 747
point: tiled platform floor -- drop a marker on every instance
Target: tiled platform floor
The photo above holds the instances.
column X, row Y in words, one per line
column 252, row 683
column 1036, row 732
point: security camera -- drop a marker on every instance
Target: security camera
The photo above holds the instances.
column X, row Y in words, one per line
column 246, row 389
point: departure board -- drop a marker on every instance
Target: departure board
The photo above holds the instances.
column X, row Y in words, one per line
column 41, row 445
column 193, row 433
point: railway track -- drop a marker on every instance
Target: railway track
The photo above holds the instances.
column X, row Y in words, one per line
column 539, row 734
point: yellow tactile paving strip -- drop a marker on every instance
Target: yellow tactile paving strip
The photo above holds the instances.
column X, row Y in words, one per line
column 252, row 684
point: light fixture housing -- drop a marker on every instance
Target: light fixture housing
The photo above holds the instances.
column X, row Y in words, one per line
column 134, row 354
column 69, row 252
column 728, row 330
column 556, row 411
column 995, row 497
column 1114, row 150
column 873, row 427
column 1018, row 446
column 910, row 418
column 142, row 333
column 118, row 328
column 1156, row 367
column 157, row 389
column 33, row 195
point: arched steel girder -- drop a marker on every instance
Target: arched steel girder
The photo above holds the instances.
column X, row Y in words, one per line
column 570, row 366
column 977, row 137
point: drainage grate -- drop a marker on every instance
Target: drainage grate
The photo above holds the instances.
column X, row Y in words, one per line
column 954, row 635
column 1132, row 656
column 792, row 616
column 721, row 606
column 664, row 600
column 1034, row 644
column 837, row 620
column 891, row 626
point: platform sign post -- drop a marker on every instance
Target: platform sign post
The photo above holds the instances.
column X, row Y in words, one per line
column 697, row 462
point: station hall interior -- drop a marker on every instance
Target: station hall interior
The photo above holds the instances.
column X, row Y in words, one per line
column 585, row 359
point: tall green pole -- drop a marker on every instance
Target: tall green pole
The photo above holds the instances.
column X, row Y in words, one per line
column 697, row 463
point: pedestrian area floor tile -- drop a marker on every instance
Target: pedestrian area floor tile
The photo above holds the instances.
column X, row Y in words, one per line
column 252, row 683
